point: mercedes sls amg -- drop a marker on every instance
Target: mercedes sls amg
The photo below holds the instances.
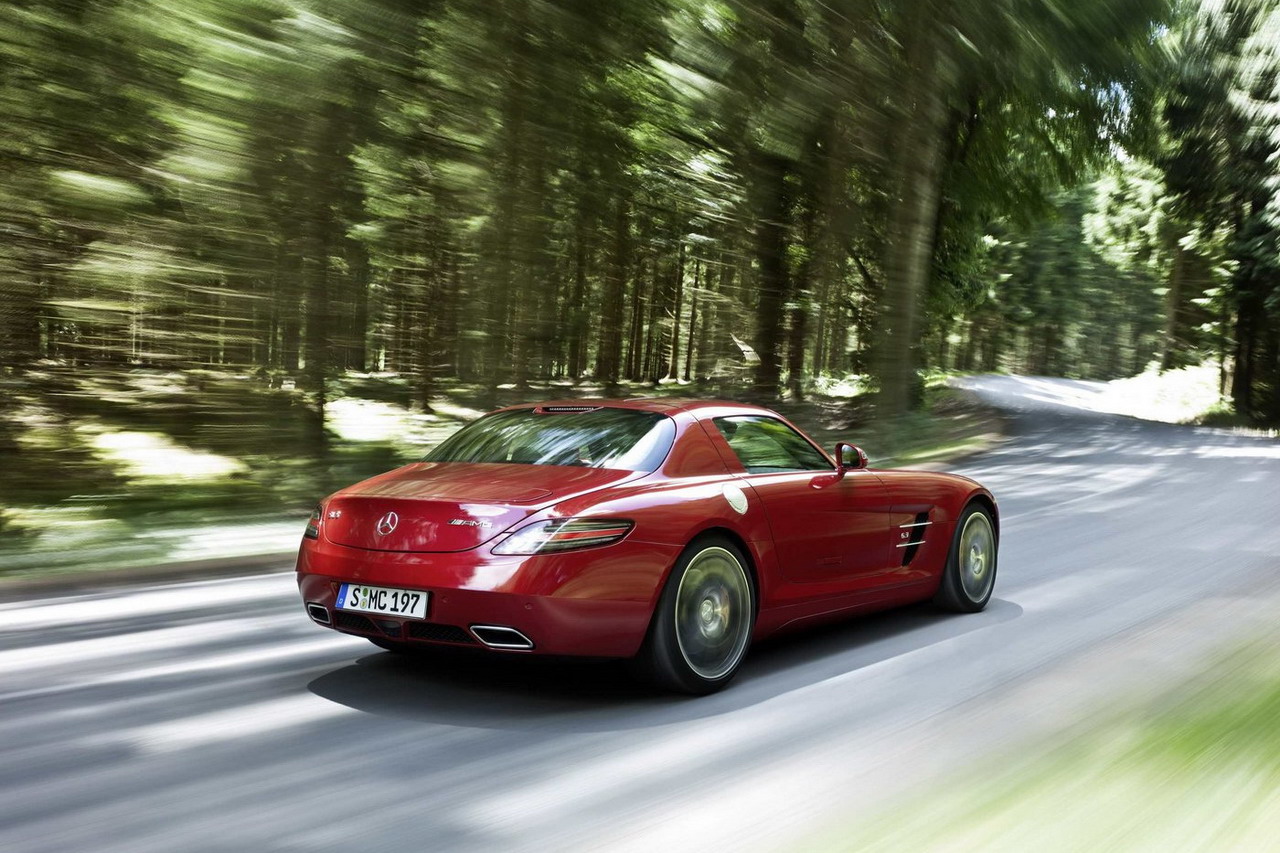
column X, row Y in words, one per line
column 672, row 532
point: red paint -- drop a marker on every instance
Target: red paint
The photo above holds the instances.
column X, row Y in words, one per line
column 823, row 544
column 481, row 501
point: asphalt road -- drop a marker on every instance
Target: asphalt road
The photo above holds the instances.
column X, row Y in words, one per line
column 214, row 716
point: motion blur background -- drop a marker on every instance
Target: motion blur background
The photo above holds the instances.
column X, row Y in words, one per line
column 251, row 250
column 255, row 250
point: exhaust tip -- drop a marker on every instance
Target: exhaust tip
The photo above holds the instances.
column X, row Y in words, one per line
column 318, row 613
column 501, row 637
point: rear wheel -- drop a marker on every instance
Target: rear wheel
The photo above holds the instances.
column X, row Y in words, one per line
column 970, row 573
column 702, row 626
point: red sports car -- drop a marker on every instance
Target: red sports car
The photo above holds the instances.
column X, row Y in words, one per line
column 669, row 531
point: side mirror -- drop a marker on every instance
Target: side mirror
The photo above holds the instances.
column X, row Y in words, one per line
column 850, row 457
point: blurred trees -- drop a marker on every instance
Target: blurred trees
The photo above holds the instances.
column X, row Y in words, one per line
column 1222, row 176
column 738, row 194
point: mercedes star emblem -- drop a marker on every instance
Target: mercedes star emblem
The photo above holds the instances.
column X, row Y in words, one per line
column 387, row 523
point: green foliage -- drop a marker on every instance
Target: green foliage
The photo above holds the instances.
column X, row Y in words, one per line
column 548, row 188
column 1061, row 306
column 1219, row 163
column 737, row 197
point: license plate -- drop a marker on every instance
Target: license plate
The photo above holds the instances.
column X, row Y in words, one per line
column 406, row 603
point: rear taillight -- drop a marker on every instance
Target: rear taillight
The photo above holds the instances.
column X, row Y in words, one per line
column 313, row 523
column 544, row 537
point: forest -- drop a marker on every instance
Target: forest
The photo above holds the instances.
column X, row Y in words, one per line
column 223, row 214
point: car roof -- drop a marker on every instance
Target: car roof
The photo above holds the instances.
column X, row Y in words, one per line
column 664, row 405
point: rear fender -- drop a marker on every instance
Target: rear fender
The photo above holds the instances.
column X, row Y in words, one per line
column 675, row 513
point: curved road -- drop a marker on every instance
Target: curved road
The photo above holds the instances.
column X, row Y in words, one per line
column 213, row 716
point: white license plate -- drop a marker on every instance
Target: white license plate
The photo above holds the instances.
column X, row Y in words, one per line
column 406, row 603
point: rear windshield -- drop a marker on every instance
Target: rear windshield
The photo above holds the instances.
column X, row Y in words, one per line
column 601, row 438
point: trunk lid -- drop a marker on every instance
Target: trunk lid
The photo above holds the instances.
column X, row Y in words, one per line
column 450, row 506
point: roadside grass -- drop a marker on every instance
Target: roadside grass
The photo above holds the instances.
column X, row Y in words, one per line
column 950, row 424
column 107, row 472
column 1200, row 771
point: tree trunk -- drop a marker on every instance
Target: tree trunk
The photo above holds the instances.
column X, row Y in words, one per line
column 693, row 319
column 288, row 297
column 425, row 291
column 673, row 360
column 577, row 308
column 316, row 340
column 19, row 317
column 1242, row 379
column 510, row 208
column 635, row 339
column 918, row 170
column 707, row 351
column 358, row 342
column 426, row 356
column 648, row 372
column 1172, row 303
column 771, row 254
column 609, row 342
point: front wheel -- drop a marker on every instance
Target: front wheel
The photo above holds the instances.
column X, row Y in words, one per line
column 970, row 573
column 702, row 625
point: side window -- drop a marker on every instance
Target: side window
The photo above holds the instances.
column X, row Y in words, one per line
column 765, row 445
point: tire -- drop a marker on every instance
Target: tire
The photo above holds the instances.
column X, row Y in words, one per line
column 970, row 574
column 702, row 625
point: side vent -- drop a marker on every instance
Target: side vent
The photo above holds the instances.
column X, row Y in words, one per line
column 914, row 531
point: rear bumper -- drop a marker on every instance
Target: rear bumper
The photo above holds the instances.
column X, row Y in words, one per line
column 596, row 602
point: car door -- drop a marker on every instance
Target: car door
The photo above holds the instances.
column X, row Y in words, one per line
column 828, row 528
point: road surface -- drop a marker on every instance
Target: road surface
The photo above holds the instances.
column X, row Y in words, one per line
column 214, row 716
